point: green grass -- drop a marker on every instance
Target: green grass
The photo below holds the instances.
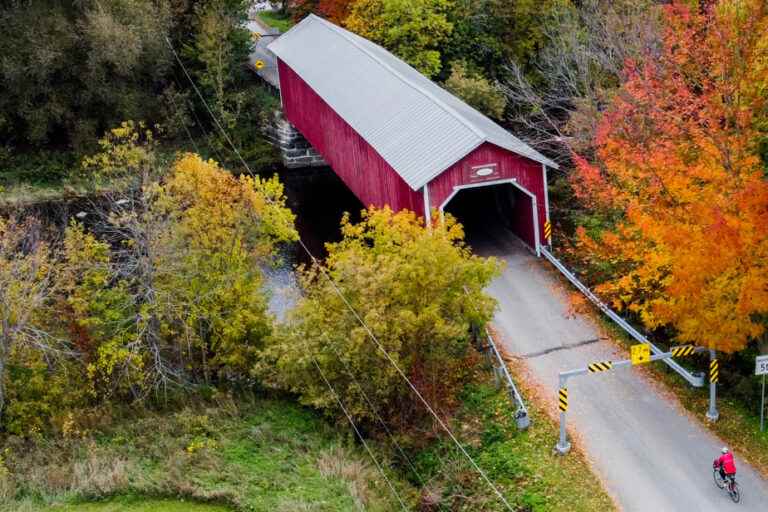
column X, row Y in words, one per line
column 138, row 504
column 282, row 22
column 521, row 464
column 272, row 455
column 259, row 456
column 35, row 177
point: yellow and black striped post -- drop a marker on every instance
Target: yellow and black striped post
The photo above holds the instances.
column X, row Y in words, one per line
column 563, row 446
column 684, row 350
column 548, row 232
column 714, row 375
column 602, row 366
column 714, row 371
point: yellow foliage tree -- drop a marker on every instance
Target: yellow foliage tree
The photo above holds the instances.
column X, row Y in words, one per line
column 419, row 291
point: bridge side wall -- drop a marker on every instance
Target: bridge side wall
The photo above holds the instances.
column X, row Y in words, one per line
column 355, row 161
column 527, row 173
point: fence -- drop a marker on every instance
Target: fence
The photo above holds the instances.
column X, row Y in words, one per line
column 502, row 376
column 696, row 380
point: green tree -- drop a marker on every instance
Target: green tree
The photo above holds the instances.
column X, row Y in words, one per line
column 414, row 30
column 178, row 295
column 419, row 290
column 491, row 34
column 216, row 54
column 225, row 230
column 476, row 90
column 71, row 69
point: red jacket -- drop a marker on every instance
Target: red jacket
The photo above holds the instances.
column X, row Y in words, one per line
column 726, row 460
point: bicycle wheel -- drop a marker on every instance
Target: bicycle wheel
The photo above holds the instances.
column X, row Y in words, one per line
column 735, row 492
column 719, row 482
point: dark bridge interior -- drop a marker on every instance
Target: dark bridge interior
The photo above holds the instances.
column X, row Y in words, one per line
column 489, row 211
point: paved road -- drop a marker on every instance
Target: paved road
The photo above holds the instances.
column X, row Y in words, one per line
column 260, row 52
column 651, row 456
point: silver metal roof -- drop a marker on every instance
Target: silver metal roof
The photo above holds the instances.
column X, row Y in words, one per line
column 419, row 128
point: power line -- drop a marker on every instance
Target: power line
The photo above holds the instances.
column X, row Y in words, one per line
column 198, row 122
column 359, row 435
column 207, row 107
column 354, row 312
column 186, row 129
column 375, row 412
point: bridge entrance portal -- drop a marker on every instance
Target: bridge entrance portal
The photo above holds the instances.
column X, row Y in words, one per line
column 489, row 207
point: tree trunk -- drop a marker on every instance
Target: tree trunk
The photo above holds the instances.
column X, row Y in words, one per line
column 4, row 345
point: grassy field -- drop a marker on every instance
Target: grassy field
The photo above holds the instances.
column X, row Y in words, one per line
column 260, row 456
column 275, row 456
column 281, row 22
column 138, row 504
column 522, row 464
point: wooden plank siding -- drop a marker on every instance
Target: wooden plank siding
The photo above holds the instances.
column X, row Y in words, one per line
column 527, row 173
column 358, row 165
column 376, row 183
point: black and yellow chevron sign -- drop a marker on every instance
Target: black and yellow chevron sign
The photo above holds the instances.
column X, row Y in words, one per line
column 684, row 350
column 602, row 366
column 563, row 393
column 714, row 371
column 548, row 231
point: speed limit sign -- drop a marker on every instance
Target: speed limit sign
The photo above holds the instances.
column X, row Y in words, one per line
column 761, row 365
column 761, row 368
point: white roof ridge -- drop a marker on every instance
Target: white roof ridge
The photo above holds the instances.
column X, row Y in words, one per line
column 342, row 32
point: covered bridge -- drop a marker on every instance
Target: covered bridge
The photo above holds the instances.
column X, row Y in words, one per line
column 395, row 137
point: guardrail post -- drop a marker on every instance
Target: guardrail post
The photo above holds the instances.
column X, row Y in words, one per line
column 714, row 377
column 563, row 446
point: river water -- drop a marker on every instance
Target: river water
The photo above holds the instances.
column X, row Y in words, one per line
column 319, row 199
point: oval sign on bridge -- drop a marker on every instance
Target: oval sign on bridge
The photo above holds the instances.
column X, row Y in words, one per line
column 486, row 171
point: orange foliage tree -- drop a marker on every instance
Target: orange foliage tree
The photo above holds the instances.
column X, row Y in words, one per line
column 332, row 10
column 677, row 162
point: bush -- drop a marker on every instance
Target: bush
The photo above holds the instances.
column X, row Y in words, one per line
column 418, row 290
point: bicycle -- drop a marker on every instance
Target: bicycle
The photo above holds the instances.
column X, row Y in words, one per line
column 729, row 483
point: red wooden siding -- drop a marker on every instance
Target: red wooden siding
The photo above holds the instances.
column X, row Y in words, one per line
column 522, row 218
column 529, row 175
column 376, row 183
column 359, row 166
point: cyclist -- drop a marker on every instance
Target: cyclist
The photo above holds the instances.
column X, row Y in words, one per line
column 726, row 464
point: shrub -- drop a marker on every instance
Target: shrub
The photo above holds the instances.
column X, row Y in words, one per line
column 418, row 290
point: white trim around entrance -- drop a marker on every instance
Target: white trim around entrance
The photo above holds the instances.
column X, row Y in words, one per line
column 512, row 181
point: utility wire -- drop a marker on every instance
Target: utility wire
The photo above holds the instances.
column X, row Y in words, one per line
column 186, row 129
column 359, row 435
column 375, row 411
column 354, row 312
column 198, row 122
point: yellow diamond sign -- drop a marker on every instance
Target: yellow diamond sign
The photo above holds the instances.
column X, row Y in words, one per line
column 641, row 353
column 259, row 64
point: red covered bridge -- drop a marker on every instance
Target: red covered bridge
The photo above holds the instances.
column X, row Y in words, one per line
column 396, row 138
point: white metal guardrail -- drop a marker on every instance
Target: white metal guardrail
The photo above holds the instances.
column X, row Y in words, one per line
column 500, row 367
column 696, row 380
